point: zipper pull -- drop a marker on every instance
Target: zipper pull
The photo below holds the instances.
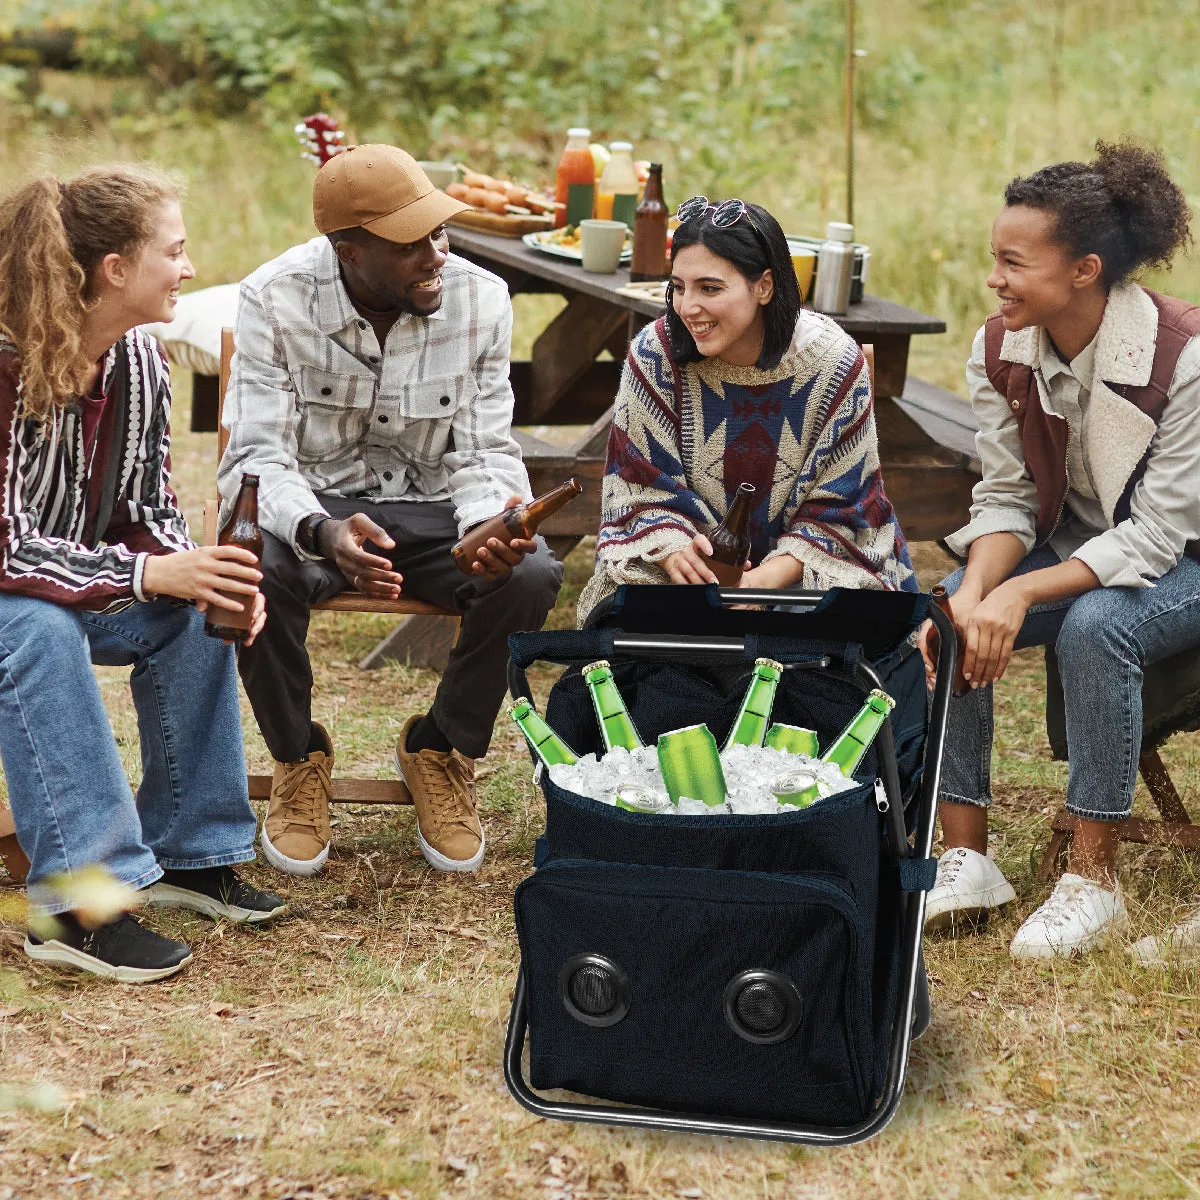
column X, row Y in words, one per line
column 881, row 801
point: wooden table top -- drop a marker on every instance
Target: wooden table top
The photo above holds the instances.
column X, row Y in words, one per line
column 873, row 315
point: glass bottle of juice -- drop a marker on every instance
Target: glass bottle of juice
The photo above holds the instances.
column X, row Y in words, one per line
column 617, row 191
column 650, row 231
column 575, row 184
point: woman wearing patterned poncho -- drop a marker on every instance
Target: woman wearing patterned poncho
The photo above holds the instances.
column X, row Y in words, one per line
column 737, row 384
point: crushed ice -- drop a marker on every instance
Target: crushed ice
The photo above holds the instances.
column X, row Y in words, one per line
column 749, row 773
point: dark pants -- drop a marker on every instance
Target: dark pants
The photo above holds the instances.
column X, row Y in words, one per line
column 276, row 672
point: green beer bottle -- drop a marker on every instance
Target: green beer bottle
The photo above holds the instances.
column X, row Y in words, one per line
column 751, row 724
column 851, row 744
column 616, row 725
column 547, row 745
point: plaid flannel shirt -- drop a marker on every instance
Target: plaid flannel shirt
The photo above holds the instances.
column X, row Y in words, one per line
column 314, row 405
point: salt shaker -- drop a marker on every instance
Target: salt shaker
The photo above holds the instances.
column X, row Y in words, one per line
column 835, row 268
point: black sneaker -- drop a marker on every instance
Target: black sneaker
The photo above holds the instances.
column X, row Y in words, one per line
column 216, row 892
column 124, row 950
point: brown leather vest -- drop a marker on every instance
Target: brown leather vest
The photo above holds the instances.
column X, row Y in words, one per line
column 1044, row 436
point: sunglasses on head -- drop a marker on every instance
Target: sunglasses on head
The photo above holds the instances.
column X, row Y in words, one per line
column 728, row 212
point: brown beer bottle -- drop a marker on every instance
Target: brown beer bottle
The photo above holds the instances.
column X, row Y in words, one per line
column 731, row 539
column 240, row 530
column 519, row 522
column 941, row 598
column 649, row 260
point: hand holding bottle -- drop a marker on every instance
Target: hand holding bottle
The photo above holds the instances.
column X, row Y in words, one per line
column 496, row 558
column 210, row 575
column 690, row 565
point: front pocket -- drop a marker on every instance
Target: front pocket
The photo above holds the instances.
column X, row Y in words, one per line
column 335, row 411
column 679, row 937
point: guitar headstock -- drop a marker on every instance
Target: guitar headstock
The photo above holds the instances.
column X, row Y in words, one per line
column 320, row 138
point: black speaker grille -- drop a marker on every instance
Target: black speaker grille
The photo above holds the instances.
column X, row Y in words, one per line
column 594, row 990
column 761, row 1007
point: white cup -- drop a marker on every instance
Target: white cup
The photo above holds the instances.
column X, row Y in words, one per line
column 602, row 243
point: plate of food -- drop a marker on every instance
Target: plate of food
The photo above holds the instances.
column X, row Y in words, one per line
column 564, row 243
column 500, row 205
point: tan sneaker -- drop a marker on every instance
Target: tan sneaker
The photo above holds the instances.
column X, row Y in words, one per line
column 296, row 832
column 443, row 792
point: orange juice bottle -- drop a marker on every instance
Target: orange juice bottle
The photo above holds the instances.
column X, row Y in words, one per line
column 575, row 184
column 617, row 191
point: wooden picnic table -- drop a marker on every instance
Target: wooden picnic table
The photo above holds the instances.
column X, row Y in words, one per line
column 565, row 383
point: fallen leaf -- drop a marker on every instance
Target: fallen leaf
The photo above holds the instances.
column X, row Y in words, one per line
column 217, row 1009
column 1047, row 1082
column 457, row 1164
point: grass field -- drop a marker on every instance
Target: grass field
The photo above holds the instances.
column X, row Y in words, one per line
column 354, row 1050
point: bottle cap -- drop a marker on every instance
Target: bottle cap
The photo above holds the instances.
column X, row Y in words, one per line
column 620, row 147
column 839, row 231
column 579, row 131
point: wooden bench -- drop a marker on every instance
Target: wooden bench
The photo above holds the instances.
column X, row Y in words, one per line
column 345, row 790
column 1170, row 691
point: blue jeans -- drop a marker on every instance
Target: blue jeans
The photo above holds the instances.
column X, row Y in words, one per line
column 71, row 802
column 1103, row 639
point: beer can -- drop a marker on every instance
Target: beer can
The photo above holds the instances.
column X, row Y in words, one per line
column 691, row 765
column 795, row 739
column 799, row 788
column 637, row 797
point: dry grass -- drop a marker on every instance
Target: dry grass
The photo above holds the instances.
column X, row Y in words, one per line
column 354, row 1050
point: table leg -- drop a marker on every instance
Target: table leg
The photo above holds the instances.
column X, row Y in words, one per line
column 567, row 347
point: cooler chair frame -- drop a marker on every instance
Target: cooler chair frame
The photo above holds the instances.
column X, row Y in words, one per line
column 908, row 1017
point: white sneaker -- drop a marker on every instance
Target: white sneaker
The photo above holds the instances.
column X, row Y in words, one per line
column 968, row 884
column 1074, row 918
column 1181, row 941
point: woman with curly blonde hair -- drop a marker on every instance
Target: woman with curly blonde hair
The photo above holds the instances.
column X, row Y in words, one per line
column 96, row 566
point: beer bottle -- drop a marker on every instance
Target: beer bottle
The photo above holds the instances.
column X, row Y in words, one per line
column 751, row 725
column 512, row 523
column 940, row 597
column 851, row 744
column 547, row 745
column 616, row 725
column 731, row 539
column 240, row 530
column 649, row 258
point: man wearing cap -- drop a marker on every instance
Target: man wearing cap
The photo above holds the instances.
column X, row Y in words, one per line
column 369, row 393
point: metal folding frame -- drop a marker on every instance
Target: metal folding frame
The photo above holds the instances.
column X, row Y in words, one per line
column 666, row 646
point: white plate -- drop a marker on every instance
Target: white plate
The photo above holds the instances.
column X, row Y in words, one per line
column 534, row 242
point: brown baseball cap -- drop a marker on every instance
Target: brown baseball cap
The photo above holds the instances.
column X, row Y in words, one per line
column 380, row 189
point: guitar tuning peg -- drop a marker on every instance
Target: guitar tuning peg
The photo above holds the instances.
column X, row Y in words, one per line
column 312, row 158
column 338, row 135
column 299, row 127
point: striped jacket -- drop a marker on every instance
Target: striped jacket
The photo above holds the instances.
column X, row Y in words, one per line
column 77, row 532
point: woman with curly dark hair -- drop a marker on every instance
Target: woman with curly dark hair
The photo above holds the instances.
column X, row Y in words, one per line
column 1084, row 528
